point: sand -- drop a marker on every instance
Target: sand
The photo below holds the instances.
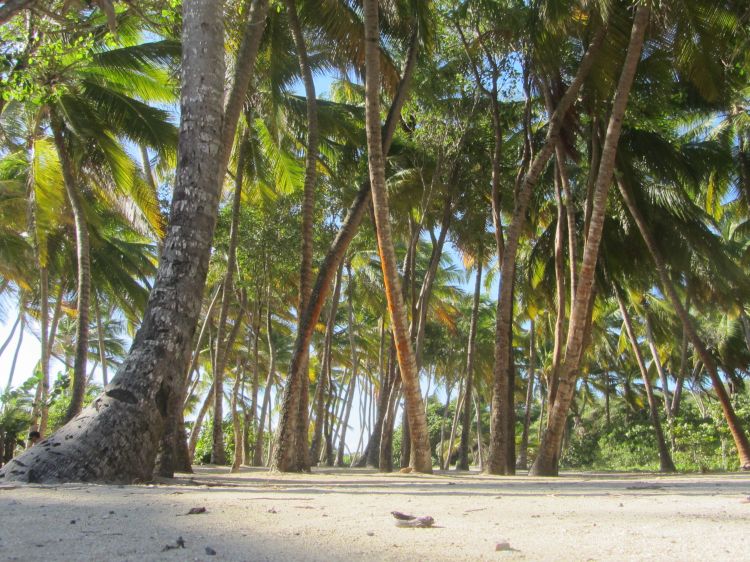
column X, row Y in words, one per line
column 345, row 515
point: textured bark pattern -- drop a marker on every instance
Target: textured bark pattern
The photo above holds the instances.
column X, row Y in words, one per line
column 546, row 463
column 116, row 438
column 501, row 443
column 522, row 460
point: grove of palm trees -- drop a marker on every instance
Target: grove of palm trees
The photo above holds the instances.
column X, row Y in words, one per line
column 363, row 248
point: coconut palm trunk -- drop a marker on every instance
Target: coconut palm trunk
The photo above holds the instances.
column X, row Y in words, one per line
column 288, row 419
column 463, row 451
column 522, row 461
column 117, row 437
column 735, row 426
column 264, row 410
column 83, row 285
column 665, row 460
column 324, row 379
column 501, row 456
column 546, row 463
column 218, row 454
column 421, row 456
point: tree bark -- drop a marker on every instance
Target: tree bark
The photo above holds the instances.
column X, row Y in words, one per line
column 116, row 438
column 258, row 454
column 546, row 463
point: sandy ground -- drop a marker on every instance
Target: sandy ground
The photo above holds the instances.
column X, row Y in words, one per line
column 345, row 515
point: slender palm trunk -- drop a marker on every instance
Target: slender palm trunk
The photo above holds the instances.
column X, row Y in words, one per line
column 288, row 420
column 560, row 293
column 441, row 448
column 301, row 448
column 44, row 411
column 502, row 443
column 236, row 423
column 14, row 361
column 662, row 374
column 454, row 425
column 354, row 359
column 100, row 337
column 463, row 451
column 546, row 463
column 522, row 461
column 258, row 453
column 198, row 424
column 421, row 456
column 218, row 454
column 665, row 460
column 84, row 269
column 735, row 426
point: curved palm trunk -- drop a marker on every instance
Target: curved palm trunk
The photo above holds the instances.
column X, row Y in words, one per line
column 258, row 452
column 116, row 438
column 662, row 375
column 196, row 431
column 502, row 442
column 44, row 413
column 735, row 426
column 546, row 463
column 324, row 382
column 218, row 454
column 84, row 271
column 522, row 461
column 463, row 451
column 665, row 460
column 302, row 453
column 236, row 423
column 283, row 458
column 421, row 455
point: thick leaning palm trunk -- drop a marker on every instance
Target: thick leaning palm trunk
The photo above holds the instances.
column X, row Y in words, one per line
column 421, row 455
column 546, row 463
column 116, row 438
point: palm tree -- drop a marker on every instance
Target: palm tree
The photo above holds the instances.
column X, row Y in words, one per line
column 99, row 444
column 546, row 463
column 421, row 456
